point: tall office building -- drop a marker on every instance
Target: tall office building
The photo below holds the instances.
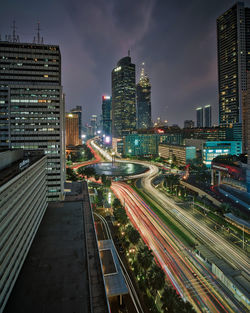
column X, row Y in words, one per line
column 143, row 97
column 72, row 130
column 78, row 111
column 208, row 115
column 233, row 44
column 123, row 98
column 199, row 117
column 106, row 115
column 32, row 105
column 93, row 124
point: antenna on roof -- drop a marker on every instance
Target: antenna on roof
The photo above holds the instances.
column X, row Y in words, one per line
column 14, row 36
column 38, row 32
column 129, row 52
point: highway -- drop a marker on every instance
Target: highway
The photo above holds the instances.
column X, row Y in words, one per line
column 203, row 233
column 186, row 273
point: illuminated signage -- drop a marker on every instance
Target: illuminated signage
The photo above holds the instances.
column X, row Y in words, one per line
column 106, row 97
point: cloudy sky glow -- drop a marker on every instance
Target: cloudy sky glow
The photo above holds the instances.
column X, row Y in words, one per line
column 176, row 40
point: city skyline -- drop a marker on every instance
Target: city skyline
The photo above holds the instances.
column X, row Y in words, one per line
column 189, row 63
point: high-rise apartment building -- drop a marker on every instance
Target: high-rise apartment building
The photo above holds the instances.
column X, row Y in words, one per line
column 208, row 115
column 233, row 44
column 106, row 115
column 78, row 110
column 123, row 98
column 143, row 97
column 72, row 130
column 199, row 117
column 93, row 124
column 32, row 105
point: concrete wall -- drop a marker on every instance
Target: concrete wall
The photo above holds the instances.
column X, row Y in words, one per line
column 10, row 156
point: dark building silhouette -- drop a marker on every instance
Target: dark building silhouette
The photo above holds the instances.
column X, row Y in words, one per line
column 143, row 93
column 188, row 124
column 106, row 115
column 123, row 98
column 199, row 117
column 233, row 44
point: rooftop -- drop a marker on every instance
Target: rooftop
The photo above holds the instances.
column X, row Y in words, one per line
column 57, row 275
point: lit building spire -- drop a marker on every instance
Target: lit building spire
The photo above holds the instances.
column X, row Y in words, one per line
column 142, row 77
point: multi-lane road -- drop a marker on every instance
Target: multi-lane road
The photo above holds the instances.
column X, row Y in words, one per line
column 188, row 275
column 185, row 271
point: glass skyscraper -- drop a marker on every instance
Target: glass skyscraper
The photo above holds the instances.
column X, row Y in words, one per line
column 32, row 105
column 123, row 98
column 106, row 115
column 208, row 115
column 143, row 93
column 199, row 117
column 233, row 44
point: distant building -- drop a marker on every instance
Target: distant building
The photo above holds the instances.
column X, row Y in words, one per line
column 23, row 201
column 199, row 117
column 233, row 44
column 141, row 145
column 188, row 124
column 93, row 124
column 72, row 130
column 123, row 98
column 32, row 105
column 208, row 115
column 78, row 111
column 212, row 149
column 143, row 99
column 171, row 138
column 182, row 154
column 106, row 115
column 211, row 133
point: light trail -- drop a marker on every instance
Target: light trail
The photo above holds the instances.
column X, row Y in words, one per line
column 202, row 291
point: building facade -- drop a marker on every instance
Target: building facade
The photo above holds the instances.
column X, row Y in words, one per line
column 106, row 115
column 143, row 101
column 23, row 201
column 72, row 130
column 233, row 45
column 123, row 98
column 208, row 115
column 32, row 105
column 188, row 124
column 78, row 110
column 199, row 117
column 141, row 145
column 181, row 154
column 212, row 149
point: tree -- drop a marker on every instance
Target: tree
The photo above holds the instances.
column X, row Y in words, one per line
column 156, row 278
column 71, row 175
column 97, row 176
column 145, row 257
column 121, row 216
column 86, row 171
column 116, row 203
column 104, row 179
column 132, row 234
column 169, row 300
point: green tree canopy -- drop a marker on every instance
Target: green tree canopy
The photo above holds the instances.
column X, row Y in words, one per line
column 133, row 234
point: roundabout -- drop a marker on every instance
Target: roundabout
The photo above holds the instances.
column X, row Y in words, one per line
column 119, row 168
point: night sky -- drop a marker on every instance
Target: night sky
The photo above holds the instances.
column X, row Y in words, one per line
column 176, row 40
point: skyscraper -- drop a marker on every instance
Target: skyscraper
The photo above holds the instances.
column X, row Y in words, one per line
column 233, row 44
column 32, row 105
column 199, row 117
column 93, row 124
column 143, row 93
column 72, row 129
column 78, row 111
column 123, row 98
column 208, row 115
column 106, row 115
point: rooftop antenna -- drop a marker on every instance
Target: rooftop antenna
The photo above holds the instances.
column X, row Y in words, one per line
column 14, row 38
column 38, row 32
column 129, row 52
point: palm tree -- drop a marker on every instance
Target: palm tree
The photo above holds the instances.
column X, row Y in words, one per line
column 145, row 257
column 155, row 278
